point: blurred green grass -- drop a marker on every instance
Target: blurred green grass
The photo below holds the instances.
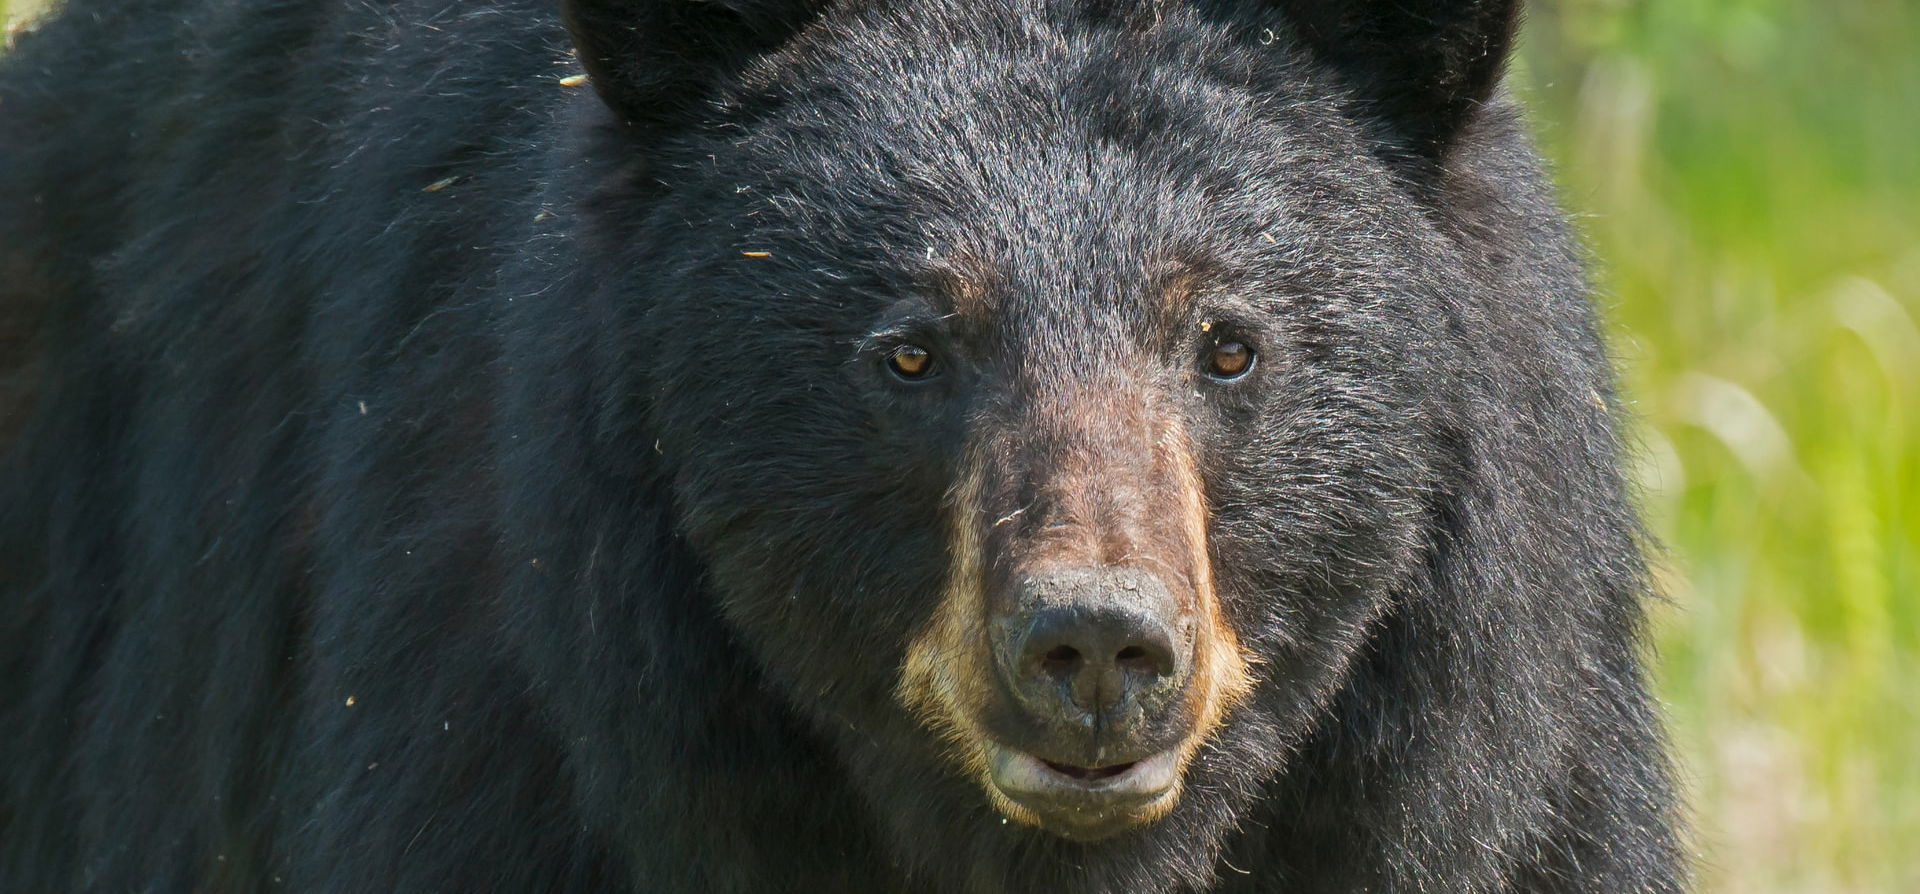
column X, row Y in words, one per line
column 1748, row 172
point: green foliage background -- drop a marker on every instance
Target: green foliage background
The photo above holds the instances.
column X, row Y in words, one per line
column 1750, row 175
column 1748, row 172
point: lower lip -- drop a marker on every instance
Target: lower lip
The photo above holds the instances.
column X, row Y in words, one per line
column 1026, row 779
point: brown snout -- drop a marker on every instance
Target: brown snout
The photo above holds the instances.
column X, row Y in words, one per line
column 1079, row 657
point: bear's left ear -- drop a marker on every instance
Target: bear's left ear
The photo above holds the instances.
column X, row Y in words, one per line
column 655, row 61
column 1426, row 65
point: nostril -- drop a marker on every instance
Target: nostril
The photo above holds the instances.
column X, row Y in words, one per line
column 1138, row 659
column 1060, row 658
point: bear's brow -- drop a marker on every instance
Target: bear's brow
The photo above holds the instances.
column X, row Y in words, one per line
column 1178, row 285
column 962, row 290
column 969, row 290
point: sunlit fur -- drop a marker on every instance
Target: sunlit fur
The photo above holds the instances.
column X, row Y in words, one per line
column 1221, row 675
column 945, row 678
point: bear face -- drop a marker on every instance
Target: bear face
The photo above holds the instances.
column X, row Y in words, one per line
column 1078, row 302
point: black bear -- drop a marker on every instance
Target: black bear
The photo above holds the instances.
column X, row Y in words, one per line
column 770, row 445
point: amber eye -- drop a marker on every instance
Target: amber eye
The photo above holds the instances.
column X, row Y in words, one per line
column 1229, row 360
column 911, row 362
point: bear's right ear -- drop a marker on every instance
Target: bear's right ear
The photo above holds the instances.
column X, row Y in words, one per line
column 1423, row 66
column 655, row 61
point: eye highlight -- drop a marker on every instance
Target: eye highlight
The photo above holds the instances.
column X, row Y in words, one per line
column 911, row 363
column 1230, row 360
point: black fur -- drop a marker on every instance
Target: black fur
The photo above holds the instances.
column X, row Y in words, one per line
column 411, row 483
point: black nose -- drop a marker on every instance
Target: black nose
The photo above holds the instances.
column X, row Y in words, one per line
column 1098, row 642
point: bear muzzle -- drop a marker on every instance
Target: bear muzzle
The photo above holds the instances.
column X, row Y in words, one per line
column 1092, row 665
column 1090, row 661
column 1078, row 658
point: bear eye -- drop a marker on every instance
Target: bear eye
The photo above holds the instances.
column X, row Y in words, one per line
column 1229, row 360
column 911, row 363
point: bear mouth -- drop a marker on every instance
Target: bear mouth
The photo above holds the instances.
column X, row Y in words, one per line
column 1083, row 803
column 1089, row 774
